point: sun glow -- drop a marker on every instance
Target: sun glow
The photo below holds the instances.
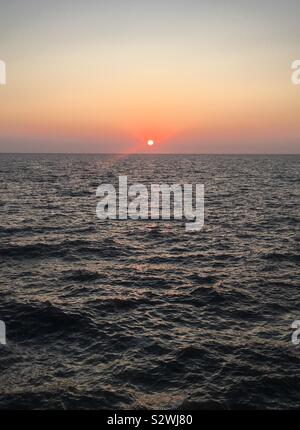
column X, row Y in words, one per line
column 150, row 142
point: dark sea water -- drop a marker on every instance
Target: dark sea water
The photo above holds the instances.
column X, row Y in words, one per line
column 142, row 314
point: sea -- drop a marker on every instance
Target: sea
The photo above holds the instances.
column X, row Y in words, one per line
column 142, row 314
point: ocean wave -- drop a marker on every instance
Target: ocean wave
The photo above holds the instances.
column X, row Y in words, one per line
column 142, row 314
column 31, row 320
column 61, row 249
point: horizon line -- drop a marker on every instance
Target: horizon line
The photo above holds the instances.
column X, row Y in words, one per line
column 147, row 153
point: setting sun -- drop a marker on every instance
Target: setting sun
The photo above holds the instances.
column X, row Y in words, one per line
column 150, row 142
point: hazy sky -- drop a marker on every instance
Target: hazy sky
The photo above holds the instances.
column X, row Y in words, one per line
column 104, row 76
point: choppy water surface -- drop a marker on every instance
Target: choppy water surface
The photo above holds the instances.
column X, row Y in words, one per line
column 141, row 314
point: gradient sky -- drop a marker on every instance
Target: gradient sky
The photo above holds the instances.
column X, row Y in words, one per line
column 104, row 76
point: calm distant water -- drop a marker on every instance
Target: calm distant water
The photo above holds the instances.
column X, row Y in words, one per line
column 141, row 314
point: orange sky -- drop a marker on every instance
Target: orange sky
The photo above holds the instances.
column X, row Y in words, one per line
column 195, row 79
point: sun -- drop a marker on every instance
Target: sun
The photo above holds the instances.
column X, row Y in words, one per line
column 150, row 142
